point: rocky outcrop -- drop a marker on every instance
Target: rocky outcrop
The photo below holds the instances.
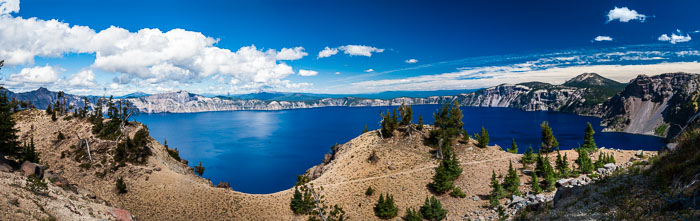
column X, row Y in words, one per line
column 654, row 105
column 534, row 96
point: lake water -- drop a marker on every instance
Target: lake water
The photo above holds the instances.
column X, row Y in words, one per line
column 263, row 151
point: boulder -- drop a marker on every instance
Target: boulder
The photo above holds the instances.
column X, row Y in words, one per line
column 602, row 171
column 517, row 199
column 120, row 214
column 564, row 182
column 29, row 168
column 610, row 166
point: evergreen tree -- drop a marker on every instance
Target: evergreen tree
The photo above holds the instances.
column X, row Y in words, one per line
column 442, row 180
column 539, row 165
column 121, row 185
column 412, row 215
column 29, row 152
column 512, row 181
column 585, row 165
column 420, row 123
column 432, row 209
column 600, row 162
column 9, row 146
column 387, row 129
column 385, row 208
column 366, row 129
column 483, row 140
column 48, row 109
column 549, row 142
column 562, row 165
column 588, row 141
column 497, row 191
column 406, row 113
column 465, row 136
column 199, row 170
column 53, row 116
column 513, row 147
column 394, row 119
column 535, row 183
column 528, row 157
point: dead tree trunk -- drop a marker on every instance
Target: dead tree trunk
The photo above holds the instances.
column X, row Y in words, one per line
column 317, row 200
column 87, row 144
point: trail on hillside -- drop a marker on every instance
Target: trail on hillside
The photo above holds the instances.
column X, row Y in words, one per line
column 411, row 171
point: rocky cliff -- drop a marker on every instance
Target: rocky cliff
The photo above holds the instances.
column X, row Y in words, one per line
column 655, row 105
column 185, row 102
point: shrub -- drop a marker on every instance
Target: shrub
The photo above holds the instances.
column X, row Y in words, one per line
column 373, row 158
column 133, row 150
column 457, row 193
column 412, row 215
column 199, row 170
column 60, row 136
column 369, row 191
column 420, row 123
column 36, row 185
column 385, row 208
column 513, row 147
column 528, row 157
column 174, row 154
column 483, row 139
column 121, row 185
column 432, row 209
column 301, row 203
column 365, row 130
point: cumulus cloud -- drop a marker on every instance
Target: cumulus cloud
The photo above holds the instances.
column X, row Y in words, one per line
column 327, row 52
column 291, row 53
column 9, row 6
column 411, row 61
column 675, row 37
column 35, row 75
column 150, row 55
column 624, row 14
column 352, row 50
column 369, row 70
column 360, row 50
column 307, row 73
column 337, row 72
column 85, row 78
column 603, row 38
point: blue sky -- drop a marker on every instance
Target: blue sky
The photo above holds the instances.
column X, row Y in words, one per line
column 88, row 47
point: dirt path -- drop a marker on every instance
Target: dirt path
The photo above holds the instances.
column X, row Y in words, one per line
column 412, row 171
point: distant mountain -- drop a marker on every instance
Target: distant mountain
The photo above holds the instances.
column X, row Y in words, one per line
column 286, row 96
column 42, row 97
column 134, row 95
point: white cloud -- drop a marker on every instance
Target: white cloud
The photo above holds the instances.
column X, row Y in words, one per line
column 603, row 38
column 307, row 73
column 35, row 75
column 411, row 61
column 369, row 70
column 85, row 78
column 337, row 72
column 675, row 38
column 151, row 55
column 9, row 6
column 474, row 78
column 624, row 14
column 291, row 53
column 352, row 50
column 360, row 50
column 327, row 52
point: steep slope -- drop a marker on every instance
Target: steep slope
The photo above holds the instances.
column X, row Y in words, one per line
column 655, row 105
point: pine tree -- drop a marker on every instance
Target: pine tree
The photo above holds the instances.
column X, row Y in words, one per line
column 497, row 191
column 406, row 113
column 528, row 157
column 9, row 146
column 420, row 123
column 48, row 109
column 600, row 162
column 387, row 129
column 199, row 170
column 549, row 142
column 512, row 181
column 549, row 179
column 483, row 140
column 385, row 208
column 539, row 165
column 585, row 164
column 465, row 136
column 394, row 119
column 432, row 209
column 513, row 147
column 562, row 165
column 535, row 183
column 588, row 141
column 121, row 185
column 29, row 152
column 53, row 116
column 366, row 129
column 412, row 215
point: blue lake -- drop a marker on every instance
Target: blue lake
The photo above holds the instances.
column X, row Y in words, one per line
column 263, row 151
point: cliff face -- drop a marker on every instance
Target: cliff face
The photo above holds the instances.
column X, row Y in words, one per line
column 528, row 97
column 657, row 105
column 184, row 102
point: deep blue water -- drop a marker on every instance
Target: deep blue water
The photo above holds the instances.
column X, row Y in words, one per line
column 263, row 151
